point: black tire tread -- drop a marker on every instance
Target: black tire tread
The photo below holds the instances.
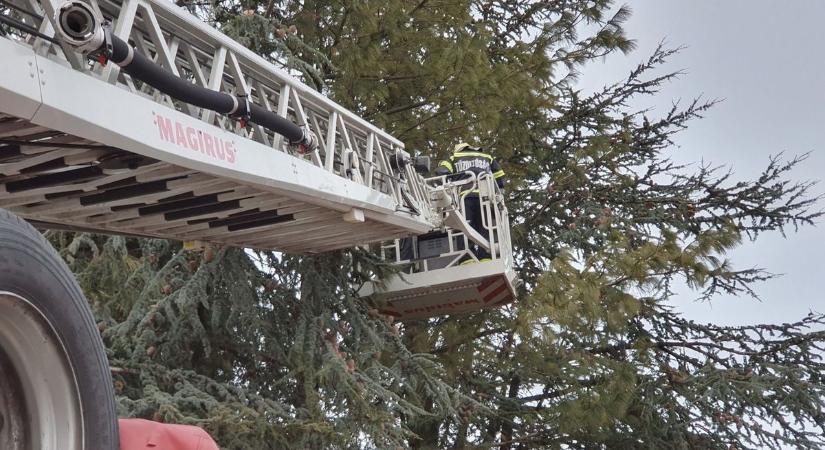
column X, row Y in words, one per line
column 19, row 235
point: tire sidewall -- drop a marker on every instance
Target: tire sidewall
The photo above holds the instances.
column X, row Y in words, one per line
column 30, row 268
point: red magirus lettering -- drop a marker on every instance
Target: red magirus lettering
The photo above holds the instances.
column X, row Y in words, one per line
column 230, row 152
column 200, row 140
column 192, row 138
column 180, row 137
column 165, row 129
column 210, row 150
column 207, row 143
column 219, row 150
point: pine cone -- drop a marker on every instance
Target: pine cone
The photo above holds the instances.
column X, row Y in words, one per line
column 208, row 254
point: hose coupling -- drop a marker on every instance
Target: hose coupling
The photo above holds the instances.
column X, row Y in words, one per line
column 308, row 141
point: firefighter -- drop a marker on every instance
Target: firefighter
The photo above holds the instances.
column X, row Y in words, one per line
column 468, row 159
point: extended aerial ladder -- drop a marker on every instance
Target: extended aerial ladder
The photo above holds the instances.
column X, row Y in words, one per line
column 87, row 144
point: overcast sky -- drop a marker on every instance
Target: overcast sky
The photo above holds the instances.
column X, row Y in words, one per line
column 766, row 60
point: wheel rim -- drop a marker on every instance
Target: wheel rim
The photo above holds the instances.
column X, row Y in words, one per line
column 39, row 402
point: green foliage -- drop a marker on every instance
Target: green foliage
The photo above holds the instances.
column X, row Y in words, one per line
column 273, row 351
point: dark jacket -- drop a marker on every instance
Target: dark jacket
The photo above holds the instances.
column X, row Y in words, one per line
column 470, row 159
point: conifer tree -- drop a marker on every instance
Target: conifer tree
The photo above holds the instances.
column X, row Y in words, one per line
column 272, row 351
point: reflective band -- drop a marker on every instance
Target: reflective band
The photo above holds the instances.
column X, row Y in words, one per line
column 130, row 54
column 447, row 164
column 466, row 154
column 460, row 146
column 235, row 107
column 498, row 174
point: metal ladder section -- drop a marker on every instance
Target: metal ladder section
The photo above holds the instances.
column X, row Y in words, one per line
column 440, row 272
column 84, row 146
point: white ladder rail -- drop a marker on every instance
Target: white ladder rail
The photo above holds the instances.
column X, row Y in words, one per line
column 359, row 184
column 180, row 41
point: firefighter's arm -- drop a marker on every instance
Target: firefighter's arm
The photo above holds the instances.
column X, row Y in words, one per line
column 445, row 167
column 498, row 173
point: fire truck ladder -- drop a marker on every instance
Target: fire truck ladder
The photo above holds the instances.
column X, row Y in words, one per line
column 156, row 124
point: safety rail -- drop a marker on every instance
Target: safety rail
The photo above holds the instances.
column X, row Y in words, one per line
column 350, row 146
column 453, row 247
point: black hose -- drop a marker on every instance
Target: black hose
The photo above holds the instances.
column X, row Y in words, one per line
column 25, row 28
column 268, row 119
column 143, row 69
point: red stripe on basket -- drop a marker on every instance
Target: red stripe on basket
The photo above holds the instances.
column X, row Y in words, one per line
column 487, row 282
column 495, row 292
column 390, row 313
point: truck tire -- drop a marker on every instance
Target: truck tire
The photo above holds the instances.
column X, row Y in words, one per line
column 55, row 385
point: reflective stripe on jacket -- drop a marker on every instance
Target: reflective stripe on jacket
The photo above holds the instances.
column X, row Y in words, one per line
column 472, row 161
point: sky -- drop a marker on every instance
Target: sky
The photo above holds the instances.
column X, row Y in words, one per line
column 765, row 60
